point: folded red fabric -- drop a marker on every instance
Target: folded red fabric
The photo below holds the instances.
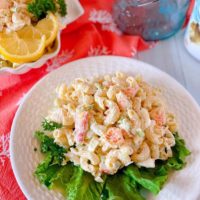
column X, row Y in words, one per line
column 95, row 33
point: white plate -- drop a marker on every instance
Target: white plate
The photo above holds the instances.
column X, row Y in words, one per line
column 181, row 185
column 74, row 10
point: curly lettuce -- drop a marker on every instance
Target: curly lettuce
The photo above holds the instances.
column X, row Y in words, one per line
column 180, row 152
column 76, row 184
column 121, row 187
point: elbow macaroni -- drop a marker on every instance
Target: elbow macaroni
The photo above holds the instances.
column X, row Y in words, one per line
column 112, row 121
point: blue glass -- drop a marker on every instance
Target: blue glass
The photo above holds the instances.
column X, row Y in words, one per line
column 151, row 19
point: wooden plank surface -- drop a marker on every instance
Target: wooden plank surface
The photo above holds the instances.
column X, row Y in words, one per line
column 172, row 57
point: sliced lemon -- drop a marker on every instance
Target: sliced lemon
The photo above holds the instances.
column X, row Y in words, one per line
column 49, row 27
column 25, row 45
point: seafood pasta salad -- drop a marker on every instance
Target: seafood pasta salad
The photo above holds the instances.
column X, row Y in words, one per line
column 109, row 137
column 28, row 29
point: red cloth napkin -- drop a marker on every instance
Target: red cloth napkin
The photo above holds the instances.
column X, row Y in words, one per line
column 94, row 33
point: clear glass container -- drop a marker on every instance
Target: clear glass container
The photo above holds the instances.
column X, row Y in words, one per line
column 192, row 35
column 151, row 19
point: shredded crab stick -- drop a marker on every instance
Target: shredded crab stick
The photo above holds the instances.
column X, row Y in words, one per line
column 131, row 92
column 158, row 114
column 81, row 126
column 114, row 135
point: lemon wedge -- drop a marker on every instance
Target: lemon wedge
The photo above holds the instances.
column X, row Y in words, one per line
column 29, row 43
column 49, row 27
column 25, row 45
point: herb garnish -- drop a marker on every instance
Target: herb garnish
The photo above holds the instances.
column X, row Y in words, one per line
column 50, row 125
column 40, row 8
column 49, row 146
column 62, row 7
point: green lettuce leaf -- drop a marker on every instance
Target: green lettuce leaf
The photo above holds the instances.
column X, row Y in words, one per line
column 82, row 186
column 55, row 176
column 75, row 184
column 70, row 180
column 180, row 152
column 154, row 179
column 150, row 179
column 120, row 187
column 48, row 175
column 49, row 168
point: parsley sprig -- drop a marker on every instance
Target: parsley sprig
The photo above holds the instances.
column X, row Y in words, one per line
column 48, row 125
column 40, row 8
column 49, row 146
column 62, row 7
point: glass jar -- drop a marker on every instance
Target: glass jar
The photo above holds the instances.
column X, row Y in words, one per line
column 192, row 36
column 151, row 19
